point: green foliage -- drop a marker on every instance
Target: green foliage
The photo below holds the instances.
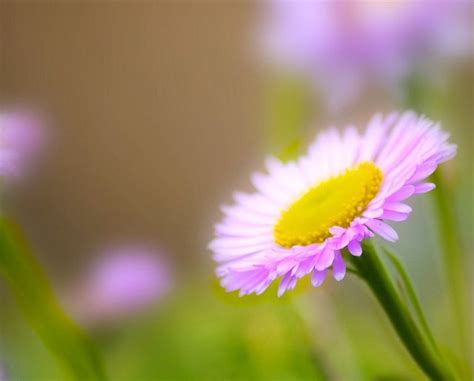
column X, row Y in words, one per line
column 34, row 297
column 198, row 336
column 372, row 270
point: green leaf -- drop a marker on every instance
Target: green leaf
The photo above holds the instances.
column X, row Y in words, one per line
column 35, row 298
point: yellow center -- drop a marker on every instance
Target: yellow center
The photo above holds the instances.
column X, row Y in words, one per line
column 333, row 202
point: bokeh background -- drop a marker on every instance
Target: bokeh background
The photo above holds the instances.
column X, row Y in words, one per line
column 155, row 113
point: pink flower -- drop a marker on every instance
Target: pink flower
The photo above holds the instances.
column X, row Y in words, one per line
column 20, row 139
column 343, row 191
column 123, row 281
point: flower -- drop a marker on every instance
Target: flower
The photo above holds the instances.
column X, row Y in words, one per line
column 3, row 373
column 340, row 193
column 20, row 138
column 344, row 45
column 123, row 281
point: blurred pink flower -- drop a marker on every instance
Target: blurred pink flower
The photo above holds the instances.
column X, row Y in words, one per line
column 123, row 281
column 3, row 373
column 344, row 44
column 20, row 139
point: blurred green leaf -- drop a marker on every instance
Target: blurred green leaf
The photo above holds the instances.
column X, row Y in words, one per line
column 35, row 298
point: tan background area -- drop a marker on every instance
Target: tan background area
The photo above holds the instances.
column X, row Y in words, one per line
column 153, row 115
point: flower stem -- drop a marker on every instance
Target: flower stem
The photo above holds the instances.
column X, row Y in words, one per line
column 35, row 298
column 372, row 270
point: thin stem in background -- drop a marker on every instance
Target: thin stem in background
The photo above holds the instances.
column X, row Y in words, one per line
column 443, row 202
column 419, row 96
column 408, row 286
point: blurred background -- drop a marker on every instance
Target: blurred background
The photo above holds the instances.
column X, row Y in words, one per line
column 155, row 112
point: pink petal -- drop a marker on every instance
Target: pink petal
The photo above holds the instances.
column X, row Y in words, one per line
column 286, row 266
column 355, row 248
column 325, row 259
column 397, row 207
column 284, row 283
column 336, row 230
column 423, row 171
column 373, row 213
column 424, row 187
column 230, row 242
column 394, row 216
column 317, row 278
column 240, row 230
column 382, row 229
column 402, row 194
column 338, row 266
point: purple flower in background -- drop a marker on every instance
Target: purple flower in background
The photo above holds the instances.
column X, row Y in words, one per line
column 20, row 139
column 123, row 281
column 3, row 372
column 344, row 44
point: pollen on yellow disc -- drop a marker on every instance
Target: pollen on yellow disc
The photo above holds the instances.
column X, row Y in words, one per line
column 333, row 202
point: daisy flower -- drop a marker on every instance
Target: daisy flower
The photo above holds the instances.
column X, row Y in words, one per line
column 343, row 191
column 343, row 45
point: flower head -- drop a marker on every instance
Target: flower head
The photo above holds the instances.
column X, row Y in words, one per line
column 20, row 138
column 345, row 44
column 340, row 193
column 124, row 280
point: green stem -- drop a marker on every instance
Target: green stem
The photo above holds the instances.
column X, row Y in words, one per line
column 452, row 254
column 412, row 296
column 40, row 308
column 375, row 275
